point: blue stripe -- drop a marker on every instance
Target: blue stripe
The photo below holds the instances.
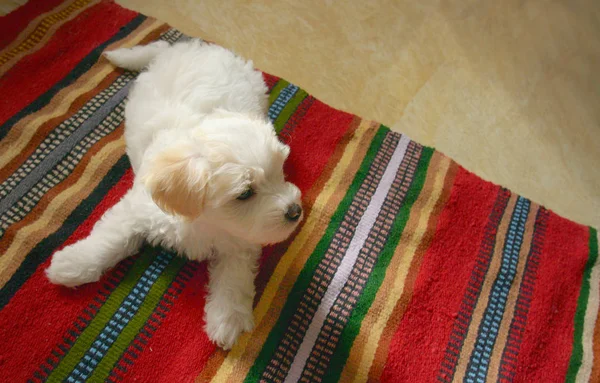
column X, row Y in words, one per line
column 281, row 101
column 93, row 112
column 65, row 147
column 488, row 329
column 119, row 320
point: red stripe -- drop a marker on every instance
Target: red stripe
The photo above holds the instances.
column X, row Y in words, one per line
column 548, row 339
column 312, row 143
column 418, row 345
column 40, row 313
column 36, row 73
column 270, row 80
column 12, row 24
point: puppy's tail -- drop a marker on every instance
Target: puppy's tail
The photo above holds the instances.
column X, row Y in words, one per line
column 136, row 58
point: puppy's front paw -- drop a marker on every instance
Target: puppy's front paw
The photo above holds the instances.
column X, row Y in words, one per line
column 71, row 266
column 224, row 329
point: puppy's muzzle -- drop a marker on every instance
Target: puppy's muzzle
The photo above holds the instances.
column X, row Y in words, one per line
column 293, row 213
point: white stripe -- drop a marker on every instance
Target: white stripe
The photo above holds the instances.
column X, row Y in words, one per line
column 589, row 323
column 343, row 272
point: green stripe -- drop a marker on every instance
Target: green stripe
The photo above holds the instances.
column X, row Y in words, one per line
column 289, row 109
column 136, row 323
column 87, row 337
column 276, row 90
column 311, row 264
column 338, row 359
column 577, row 355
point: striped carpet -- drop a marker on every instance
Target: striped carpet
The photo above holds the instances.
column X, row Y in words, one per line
column 407, row 268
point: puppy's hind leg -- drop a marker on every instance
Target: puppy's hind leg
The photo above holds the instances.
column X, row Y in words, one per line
column 136, row 58
column 116, row 236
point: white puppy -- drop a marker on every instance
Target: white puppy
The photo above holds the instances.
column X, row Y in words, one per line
column 209, row 179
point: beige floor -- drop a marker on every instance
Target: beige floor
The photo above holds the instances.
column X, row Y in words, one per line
column 510, row 89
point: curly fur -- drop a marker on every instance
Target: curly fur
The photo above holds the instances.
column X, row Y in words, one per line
column 198, row 137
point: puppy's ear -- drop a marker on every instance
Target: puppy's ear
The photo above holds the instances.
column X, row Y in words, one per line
column 177, row 182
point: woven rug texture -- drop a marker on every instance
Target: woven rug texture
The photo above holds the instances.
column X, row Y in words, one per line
column 407, row 267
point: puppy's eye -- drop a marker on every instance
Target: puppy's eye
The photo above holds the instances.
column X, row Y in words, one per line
column 246, row 194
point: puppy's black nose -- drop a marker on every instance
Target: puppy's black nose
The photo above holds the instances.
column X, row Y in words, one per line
column 294, row 212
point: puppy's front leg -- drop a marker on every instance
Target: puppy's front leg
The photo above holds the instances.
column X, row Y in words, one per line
column 114, row 237
column 231, row 293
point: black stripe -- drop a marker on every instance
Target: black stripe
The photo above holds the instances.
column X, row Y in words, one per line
column 84, row 65
column 46, row 247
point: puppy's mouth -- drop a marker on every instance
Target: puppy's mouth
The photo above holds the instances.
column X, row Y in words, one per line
column 285, row 233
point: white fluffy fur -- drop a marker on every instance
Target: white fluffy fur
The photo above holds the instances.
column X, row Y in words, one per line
column 197, row 137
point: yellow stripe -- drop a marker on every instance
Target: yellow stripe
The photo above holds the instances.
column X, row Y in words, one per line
column 406, row 258
column 290, row 255
column 31, row 27
column 48, row 222
column 385, row 291
column 37, row 40
column 21, row 134
column 42, row 28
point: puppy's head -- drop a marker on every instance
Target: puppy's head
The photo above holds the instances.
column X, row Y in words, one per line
column 229, row 172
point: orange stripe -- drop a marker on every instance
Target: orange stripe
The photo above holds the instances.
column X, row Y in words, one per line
column 484, row 296
column 21, row 237
column 40, row 31
column 32, row 25
column 30, row 131
column 48, row 126
column 422, row 214
column 47, row 216
column 509, row 312
column 402, row 304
